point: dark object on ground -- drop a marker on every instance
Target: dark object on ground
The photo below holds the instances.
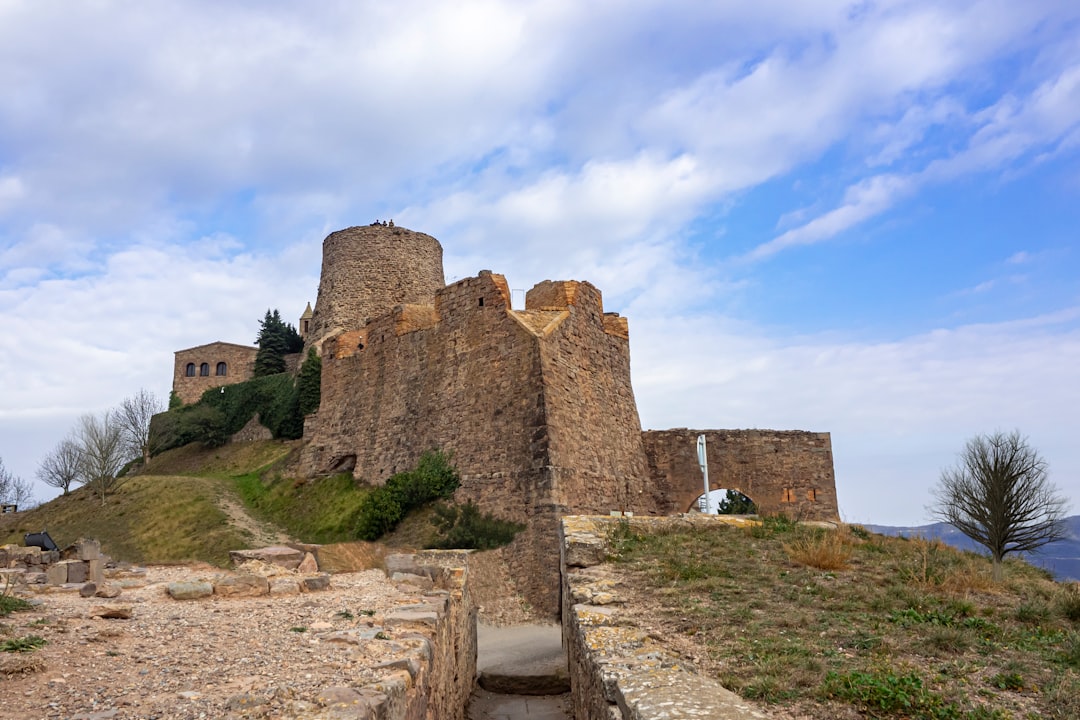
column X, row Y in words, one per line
column 41, row 540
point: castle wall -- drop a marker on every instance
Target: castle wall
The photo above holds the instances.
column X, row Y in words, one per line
column 535, row 405
column 239, row 366
column 787, row 472
column 368, row 270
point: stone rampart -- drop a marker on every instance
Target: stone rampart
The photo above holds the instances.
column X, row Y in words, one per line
column 618, row 670
column 782, row 471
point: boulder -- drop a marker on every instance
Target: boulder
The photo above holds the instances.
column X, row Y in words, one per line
column 244, row 585
column 308, row 566
column 315, row 582
column 190, row 590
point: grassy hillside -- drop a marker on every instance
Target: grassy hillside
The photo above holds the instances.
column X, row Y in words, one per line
column 150, row 519
column 849, row 624
column 182, row 507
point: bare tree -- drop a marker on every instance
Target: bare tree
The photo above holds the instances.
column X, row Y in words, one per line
column 14, row 490
column 102, row 443
column 999, row 495
column 61, row 467
column 134, row 416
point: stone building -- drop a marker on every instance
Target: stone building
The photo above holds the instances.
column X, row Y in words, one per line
column 535, row 404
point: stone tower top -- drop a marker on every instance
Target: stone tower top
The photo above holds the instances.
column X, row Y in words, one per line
column 368, row 270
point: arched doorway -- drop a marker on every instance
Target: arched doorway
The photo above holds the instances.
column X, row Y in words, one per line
column 725, row 501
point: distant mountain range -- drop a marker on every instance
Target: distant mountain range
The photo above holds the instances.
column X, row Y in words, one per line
column 1062, row 558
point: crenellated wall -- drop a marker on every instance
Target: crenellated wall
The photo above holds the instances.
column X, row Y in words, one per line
column 535, row 405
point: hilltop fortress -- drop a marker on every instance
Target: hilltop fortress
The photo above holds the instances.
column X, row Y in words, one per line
column 535, row 404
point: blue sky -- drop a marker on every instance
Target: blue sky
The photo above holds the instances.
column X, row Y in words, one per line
column 858, row 217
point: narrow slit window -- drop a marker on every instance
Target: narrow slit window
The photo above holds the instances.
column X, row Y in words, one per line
column 481, row 302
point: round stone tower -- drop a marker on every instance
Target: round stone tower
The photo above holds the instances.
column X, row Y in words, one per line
column 368, row 270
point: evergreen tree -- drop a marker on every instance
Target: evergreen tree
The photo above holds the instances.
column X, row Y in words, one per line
column 276, row 340
column 309, row 383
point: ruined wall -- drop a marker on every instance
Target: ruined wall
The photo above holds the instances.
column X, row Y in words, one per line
column 782, row 471
column 368, row 270
column 239, row 366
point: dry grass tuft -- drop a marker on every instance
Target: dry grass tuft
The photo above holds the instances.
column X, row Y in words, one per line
column 822, row 549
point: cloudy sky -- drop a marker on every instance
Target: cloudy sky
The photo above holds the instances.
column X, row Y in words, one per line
column 855, row 217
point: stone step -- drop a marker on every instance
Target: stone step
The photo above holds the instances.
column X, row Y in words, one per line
column 522, row 660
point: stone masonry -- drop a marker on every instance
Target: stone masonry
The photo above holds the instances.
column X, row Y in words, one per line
column 535, row 404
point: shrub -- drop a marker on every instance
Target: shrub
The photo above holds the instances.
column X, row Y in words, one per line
column 434, row 478
column 23, row 644
column 464, row 526
column 1069, row 603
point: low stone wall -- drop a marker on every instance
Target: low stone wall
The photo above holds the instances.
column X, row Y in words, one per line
column 617, row 671
column 80, row 563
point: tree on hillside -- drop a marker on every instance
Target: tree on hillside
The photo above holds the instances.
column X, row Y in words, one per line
column 998, row 494
column 309, row 383
column 735, row 503
column 276, row 339
column 101, row 440
column 61, row 467
column 134, row 416
column 13, row 489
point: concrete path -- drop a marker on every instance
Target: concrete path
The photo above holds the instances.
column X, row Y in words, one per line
column 522, row 674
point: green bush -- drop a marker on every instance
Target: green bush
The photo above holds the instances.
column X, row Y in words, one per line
column 309, row 384
column 465, row 527
column 434, row 478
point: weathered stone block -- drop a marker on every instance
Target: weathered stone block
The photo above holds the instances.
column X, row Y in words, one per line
column 315, row 582
column 241, row 586
column 88, row 549
column 190, row 590
column 95, row 570
column 284, row 586
column 56, row 574
column 77, row 571
column 286, row 557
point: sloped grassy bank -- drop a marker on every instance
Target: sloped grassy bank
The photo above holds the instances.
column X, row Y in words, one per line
column 848, row 624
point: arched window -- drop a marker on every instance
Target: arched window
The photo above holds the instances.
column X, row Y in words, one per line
column 189, row 371
column 222, row 369
column 204, row 370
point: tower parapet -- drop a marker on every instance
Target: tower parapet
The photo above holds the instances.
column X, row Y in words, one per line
column 367, row 271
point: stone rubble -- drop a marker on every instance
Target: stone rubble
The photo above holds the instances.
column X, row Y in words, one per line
column 361, row 646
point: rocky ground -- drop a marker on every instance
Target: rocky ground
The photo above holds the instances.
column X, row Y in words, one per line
column 266, row 657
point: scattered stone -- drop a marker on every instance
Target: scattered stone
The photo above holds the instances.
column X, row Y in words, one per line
column 108, row 590
column 315, row 582
column 308, row 566
column 284, row 586
column 241, row 586
column 88, row 590
column 190, row 590
column 111, row 612
column 286, row 557
column 189, row 694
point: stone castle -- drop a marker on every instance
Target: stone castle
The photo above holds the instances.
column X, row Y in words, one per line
column 535, row 404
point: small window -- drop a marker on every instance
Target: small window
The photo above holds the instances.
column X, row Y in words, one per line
column 481, row 302
column 189, row 371
column 222, row 369
column 204, row 370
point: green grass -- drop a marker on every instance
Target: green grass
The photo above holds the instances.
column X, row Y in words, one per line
column 10, row 604
column 23, row 644
column 907, row 629
column 320, row 511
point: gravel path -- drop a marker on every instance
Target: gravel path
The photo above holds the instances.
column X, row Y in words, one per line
column 265, row 657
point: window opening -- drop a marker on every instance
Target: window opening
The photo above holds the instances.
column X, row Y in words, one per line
column 222, row 369
column 189, row 371
column 204, row 370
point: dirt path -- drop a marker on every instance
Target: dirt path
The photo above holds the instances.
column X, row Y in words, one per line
column 262, row 533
